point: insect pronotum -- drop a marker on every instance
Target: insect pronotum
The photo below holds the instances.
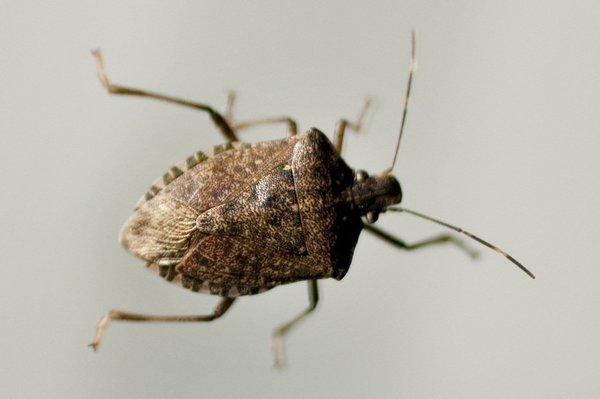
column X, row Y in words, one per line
column 240, row 219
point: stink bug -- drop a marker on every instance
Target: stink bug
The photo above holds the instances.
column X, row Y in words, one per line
column 243, row 218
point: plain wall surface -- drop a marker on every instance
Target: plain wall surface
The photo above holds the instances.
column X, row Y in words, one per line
column 502, row 138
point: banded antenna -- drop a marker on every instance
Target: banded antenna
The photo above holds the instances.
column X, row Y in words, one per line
column 462, row 231
column 411, row 74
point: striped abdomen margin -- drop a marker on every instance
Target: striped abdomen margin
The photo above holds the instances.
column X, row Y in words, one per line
column 179, row 169
column 169, row 272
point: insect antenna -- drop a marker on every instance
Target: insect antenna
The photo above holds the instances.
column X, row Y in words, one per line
column 468, row 234
column 411, row 74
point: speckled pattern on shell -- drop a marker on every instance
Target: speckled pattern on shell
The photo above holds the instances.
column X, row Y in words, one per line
column 244, row 218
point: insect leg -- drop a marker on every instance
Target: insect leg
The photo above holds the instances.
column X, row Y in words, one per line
column 216, row 117
column 114, row 315
column 439, row 239
column 343, row 124
column 292, row 126
column 280, row 332
column 228, row 114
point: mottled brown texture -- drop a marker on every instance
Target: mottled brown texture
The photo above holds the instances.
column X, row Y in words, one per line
column 267, row 212
column 244, row 218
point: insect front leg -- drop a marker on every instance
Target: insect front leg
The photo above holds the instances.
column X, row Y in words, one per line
column 439, row 239
column 291, row 123
column 280, row 332
column 216, row 117
column 344, row 124
column 114, row 315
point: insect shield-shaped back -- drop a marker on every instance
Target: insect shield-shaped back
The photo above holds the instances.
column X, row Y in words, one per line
column 245, row 218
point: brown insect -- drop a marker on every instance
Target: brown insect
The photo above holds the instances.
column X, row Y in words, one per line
column 244, row 218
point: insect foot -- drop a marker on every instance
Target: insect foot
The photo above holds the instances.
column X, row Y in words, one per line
column 100, row 330
column 277, row 345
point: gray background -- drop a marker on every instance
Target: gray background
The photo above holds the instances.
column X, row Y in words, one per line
column 502, row 138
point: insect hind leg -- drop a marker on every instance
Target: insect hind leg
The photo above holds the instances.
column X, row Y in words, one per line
column 114, row 315
column 216, row 117
column 279, row 333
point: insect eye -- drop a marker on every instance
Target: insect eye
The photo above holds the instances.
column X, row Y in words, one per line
column 361, row 175
column 372, row 217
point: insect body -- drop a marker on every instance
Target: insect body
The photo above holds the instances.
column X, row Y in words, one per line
column 250, row 217
column 243, row 218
